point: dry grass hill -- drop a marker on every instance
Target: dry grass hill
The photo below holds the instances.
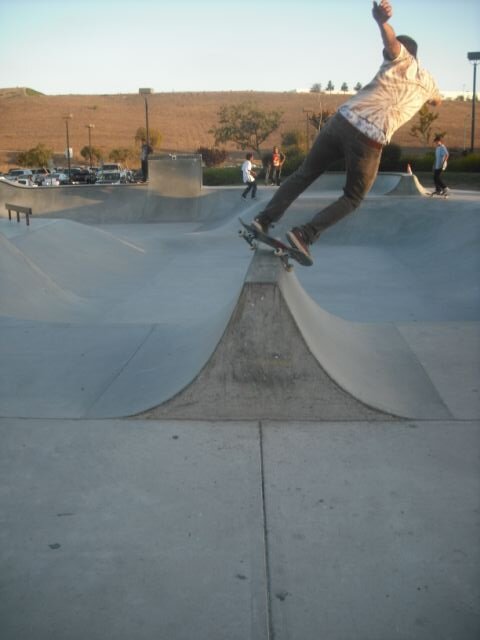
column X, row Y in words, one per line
column 183, row 119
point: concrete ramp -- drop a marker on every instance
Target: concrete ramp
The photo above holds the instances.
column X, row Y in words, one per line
column 30, row 292
column 163, row 201
column 283, row 357
column 373, row 362
column 262, row 368
column 120, row 204
column 107, row 321
column 392, row 184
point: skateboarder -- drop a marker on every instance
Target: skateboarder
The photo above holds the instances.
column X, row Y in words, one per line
column 439, row 166
column 249, row 177
column 357, row 133
column 145, row 151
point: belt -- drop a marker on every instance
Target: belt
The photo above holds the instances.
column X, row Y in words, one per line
column 368, row 141
column 371, row 143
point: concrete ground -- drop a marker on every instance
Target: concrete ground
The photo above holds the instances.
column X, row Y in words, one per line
column 196, row 444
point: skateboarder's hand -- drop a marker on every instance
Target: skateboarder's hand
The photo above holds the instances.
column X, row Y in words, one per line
column 382, row 11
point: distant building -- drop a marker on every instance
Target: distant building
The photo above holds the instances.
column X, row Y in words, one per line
column 453, row 95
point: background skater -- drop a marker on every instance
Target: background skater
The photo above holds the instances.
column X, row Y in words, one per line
column 277, row 160
column 249, row 176
column 145, row 151
column 439, row 166
column 357, row 133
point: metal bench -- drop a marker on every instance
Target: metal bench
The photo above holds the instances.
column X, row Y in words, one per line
column 18, row 208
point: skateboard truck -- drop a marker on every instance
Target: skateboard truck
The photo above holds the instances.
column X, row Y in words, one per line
column 280, row 250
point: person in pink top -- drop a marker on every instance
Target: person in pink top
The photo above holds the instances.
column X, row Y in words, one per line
column 357, row 134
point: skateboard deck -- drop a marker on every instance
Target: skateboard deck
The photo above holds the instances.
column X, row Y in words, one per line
column 438, row 195
column 280, row 249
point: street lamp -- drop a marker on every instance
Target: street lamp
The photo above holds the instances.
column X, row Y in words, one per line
column 67, row 118
column 473, row 56
column 90, row 127
column 146, row 92
column 307, row 113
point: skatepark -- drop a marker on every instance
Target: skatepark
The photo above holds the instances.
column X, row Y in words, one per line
column 198, row 444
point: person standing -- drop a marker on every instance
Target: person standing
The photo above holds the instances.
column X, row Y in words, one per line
column 357, row 133
column 249, row 177
column 146, row 150
column 440, row 164
column 276, row 164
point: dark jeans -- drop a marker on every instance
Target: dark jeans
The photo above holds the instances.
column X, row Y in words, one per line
column 251, row 186
column 338, row 139
column 145, row 170
column 275, row 175
column 437, row 179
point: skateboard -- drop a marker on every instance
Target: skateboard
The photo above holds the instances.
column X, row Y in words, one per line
column 441, row 195
column 281, row 250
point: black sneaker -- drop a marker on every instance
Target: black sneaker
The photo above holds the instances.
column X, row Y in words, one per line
column 297, row 239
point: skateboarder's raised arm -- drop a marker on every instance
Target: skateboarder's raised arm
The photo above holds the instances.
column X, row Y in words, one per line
column 382, row 12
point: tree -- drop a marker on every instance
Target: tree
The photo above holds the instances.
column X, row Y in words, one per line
column 155, row 137
column 293, row 144
column 358, row 86
column 39, row 156
column 122, row 155
column 330, row 86
column 319, row 120
column 245, row 125
column 344, row 87
column 96, row 154
column 294, row 138
column 423, row 129
column 316, row 88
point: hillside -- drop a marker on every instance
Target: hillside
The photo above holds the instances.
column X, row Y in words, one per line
column 184, row 119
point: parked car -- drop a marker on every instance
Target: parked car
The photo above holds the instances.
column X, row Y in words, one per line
column 81, row 175
column 110, row 177
column 113, row 166
column 26, row 182
column 50, row 181
column 61, row 177
column 116, row 168
column 14, row 174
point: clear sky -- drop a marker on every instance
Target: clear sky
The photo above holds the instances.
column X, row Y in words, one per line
column 117, row 46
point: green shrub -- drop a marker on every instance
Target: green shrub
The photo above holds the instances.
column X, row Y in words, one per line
column 294, row 158
column 212, row 156
column 391, row 158
column 221, row 177
column 464, row 164
column 469, row 163
column 391, row 161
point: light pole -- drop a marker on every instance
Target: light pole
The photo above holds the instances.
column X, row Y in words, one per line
column 307, row 113
column 67, row 118
column 90, row 127
column 473, row 56
column 146, row 92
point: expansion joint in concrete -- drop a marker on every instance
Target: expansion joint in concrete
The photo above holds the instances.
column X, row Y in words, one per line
column 266, row 547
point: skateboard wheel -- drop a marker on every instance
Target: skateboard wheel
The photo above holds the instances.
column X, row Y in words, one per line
column 278, row 253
